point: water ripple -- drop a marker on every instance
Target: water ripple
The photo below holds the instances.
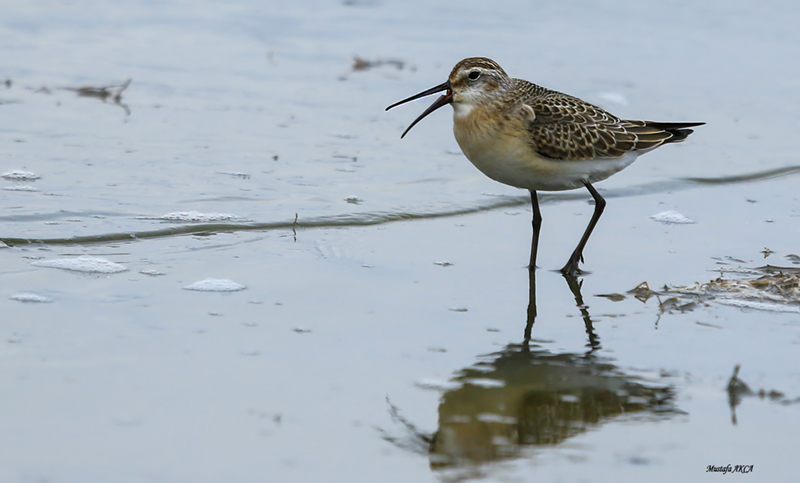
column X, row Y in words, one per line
column 381, row 217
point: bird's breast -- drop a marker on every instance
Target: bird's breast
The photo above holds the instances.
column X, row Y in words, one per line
column 497, row 145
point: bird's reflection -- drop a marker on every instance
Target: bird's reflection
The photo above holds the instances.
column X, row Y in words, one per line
column 575, row 287
column 527, row 396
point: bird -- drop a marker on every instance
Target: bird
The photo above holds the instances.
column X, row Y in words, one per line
column 537, row 139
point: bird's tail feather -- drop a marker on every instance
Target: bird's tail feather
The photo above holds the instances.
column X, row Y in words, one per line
column 678, row 130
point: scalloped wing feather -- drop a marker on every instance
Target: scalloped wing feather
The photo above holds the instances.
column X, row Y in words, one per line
column 565, row 127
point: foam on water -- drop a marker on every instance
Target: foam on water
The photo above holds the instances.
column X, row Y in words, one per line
column 82, row 264
column 215, row 285
column 778, row 290
column 754, row 305
column 672, row 218
column 152, row 273
column 196, row 216
column 23, row 187
column 31, row 298
column 19, row 175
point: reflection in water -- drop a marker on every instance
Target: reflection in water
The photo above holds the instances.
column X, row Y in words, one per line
column 526, row 396
column 738, row 389
column 575, row 288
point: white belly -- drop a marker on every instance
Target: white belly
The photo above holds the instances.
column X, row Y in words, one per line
column 512, row 161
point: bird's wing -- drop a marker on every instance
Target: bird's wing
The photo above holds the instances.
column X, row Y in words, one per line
column 564, row 127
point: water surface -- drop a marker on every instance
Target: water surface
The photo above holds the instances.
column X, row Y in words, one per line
column 386, row 330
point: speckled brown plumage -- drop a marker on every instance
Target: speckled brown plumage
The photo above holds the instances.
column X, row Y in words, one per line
column 566, row 128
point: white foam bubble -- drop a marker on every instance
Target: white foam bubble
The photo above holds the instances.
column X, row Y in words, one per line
column 437, row 384
column 215, row 285
column 766, row 306
column 152, row 273
column 22, row 187
column 19, row 175
column 196, row 216
column 672, row 218
column 82, row 264
column 31, row 298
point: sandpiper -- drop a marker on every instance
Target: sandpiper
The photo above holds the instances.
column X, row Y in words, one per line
column 530, row 137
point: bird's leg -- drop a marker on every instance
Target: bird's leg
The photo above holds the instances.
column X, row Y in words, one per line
column 537, row 225
column 571, row 268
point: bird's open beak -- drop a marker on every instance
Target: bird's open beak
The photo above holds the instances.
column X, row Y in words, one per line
column 445, row 99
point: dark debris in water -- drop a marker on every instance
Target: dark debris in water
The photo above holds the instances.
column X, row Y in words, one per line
column 776, row 284
column 675, row 304
column 614, row 297
column 235, row 174
column 414, row 440
column 360, row 64
column 111, row 92
column 727, row 260
column 769, row 288
column 793, row 258
column 642, row 292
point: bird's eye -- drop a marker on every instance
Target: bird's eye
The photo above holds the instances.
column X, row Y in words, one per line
column 474, row 75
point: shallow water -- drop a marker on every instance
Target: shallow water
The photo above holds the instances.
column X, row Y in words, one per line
column 386, row 330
